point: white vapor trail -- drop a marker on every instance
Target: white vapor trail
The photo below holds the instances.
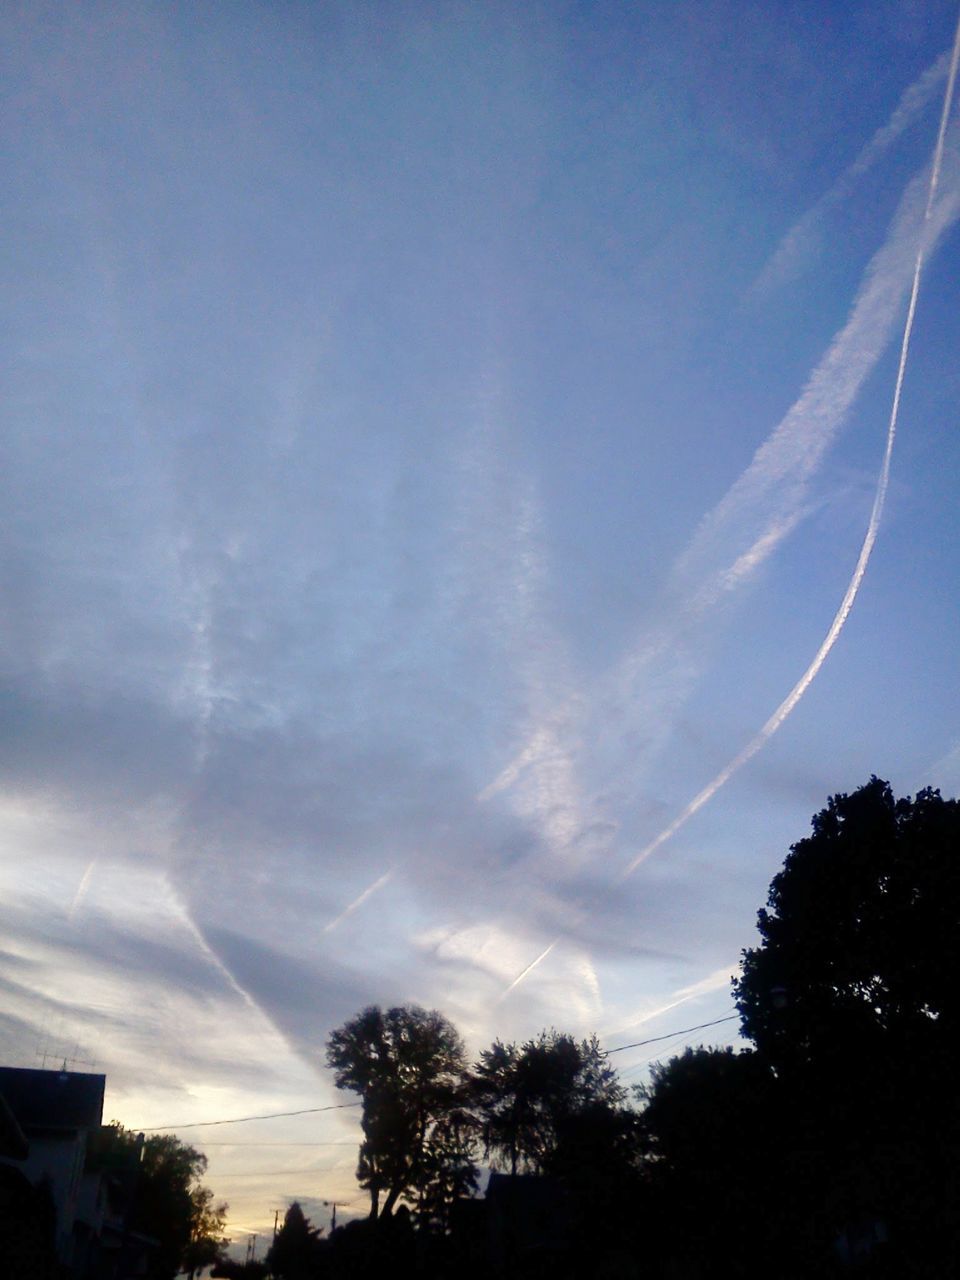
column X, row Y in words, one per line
column 769, row 499
column 784, row 261
column 762, row 506
column 715, row 981
column 358, row 902
column 797, row 445
column 850, row 595
column 529, row 969
column 504, row 531
column 82, row 888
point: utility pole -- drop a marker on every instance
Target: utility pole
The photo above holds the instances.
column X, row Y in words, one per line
column 332, row 1205
column 276, row 1219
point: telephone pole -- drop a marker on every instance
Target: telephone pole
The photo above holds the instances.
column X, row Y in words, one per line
column 332, row 1205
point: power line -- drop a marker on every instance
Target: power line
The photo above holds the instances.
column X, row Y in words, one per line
column 343, row 1106
column 270, row 1115
column 351, row 1143
column 638, row 1044
column 273, row 1173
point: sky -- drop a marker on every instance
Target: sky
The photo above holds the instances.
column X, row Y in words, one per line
column 436, row 440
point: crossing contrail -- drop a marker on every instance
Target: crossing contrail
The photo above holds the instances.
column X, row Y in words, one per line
column 783, row 264
column 846, row 604
column 927, row 237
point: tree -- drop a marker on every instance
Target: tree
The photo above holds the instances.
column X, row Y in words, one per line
column 297, row 1251
column 523, row 1095
column 207, row 1240
column 714, row 1145
column 407, row 1065
column 861, row 934
column 853, row 999
column 169, row 1202
column 449, row 1169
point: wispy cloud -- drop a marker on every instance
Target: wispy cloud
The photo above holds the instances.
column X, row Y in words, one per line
column 718, row 980
column 505, row 518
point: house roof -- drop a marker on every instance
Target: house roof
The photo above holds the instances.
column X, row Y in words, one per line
column 53, row 1099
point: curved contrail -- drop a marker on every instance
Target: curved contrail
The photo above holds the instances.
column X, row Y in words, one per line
column 836, row 626
column 843, row 612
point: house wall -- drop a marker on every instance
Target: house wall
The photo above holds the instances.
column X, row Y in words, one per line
column 60, row 1160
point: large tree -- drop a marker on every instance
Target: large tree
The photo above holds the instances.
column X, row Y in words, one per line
column 713, row 1140
column 406, row 1064
column 169, row 1202
column 861, row 934
column 525, row 1095
column 853, row 999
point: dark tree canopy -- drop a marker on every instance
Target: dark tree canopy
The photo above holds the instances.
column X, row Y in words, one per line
column 525, row 1095
column 852, row 998
column 407, row 1065
column 832, row 1146
column 861, row 933
column 715, row 1143
column 170, row 1204
column 297, row 1251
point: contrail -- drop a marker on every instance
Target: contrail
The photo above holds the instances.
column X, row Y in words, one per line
column 846, row 604
column 358, row 902
column 714, row 981
column 850, row 595
column 782, row 264
column 770, row 498
column 548, row 794
column 82, row 888
column 529, row 969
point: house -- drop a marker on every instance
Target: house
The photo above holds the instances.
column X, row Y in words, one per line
column 47, row 1120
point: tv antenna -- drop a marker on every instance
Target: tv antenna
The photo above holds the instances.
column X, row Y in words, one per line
column 57, row 1054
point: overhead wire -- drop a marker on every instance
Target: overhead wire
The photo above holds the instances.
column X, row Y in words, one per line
column 343, row 1106
column 670, row 1035
column 269, row 1115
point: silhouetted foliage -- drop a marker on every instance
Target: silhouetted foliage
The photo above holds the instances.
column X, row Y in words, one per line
column 371, row 1248
column 170, row 1204
column 830, row 1147
column 713, row 1141
column 449, row 1168
column 297, row 1253
column 524, row 1094
column 861, row 934
column 853, row 999
column 407, row 1065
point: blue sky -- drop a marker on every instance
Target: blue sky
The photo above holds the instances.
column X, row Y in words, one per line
column 436, row 438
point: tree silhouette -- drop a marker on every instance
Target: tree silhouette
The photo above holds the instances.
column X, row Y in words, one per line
column 297, row 1252
column 714, row 1145
column 861, row 934
column 169, row 1202
column 406, row 1064
column 853, row 999
column 207, row 1240
column 523, row 1095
